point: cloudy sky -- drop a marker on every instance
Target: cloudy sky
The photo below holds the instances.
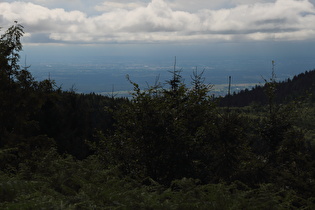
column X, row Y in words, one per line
column 238, row 35
column 161, row 21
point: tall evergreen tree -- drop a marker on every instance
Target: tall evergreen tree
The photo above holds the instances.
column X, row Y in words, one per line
column 21, row 99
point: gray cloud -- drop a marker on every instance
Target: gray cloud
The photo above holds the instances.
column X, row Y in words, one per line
column 162, row 21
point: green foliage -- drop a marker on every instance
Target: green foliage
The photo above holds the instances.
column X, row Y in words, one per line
column 159, row 131
column 10, row 46
column 72, row 119
column 169, row 134
column 21, row 141
column 90, row 186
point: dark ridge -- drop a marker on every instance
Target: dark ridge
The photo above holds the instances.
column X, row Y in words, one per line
column 302, row 85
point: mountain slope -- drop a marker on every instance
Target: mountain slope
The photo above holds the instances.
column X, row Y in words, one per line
column 302, row 85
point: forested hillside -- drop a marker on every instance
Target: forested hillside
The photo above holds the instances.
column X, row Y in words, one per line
column 168, row 147
column 300, row 86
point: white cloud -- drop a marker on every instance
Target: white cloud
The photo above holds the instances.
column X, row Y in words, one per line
column 114, row 5
column 165, row 21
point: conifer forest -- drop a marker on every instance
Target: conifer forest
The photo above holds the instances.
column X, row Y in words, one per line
column 172, row 146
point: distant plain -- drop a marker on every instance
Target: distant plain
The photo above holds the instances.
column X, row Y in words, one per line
column 105, row 76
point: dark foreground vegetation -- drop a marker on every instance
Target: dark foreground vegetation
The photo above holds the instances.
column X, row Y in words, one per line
column 167, row 148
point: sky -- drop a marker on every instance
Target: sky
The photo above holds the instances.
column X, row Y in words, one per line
column 200, row 30
column 240, row 35
column 161, row 21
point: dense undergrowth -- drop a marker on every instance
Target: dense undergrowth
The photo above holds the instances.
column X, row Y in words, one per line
column 167, row 148
column 65, row 183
